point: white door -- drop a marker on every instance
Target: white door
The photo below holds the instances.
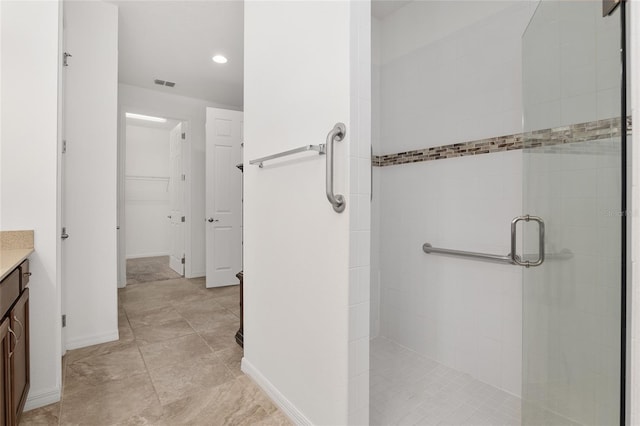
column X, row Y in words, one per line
column 176, row 196
column 223, row 196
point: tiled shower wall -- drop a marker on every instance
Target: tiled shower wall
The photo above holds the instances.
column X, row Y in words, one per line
column 445, row 79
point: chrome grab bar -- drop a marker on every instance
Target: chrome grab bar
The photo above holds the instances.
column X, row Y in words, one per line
column 429, row 249
column 336, row 134
column 516, row 259
column 512, row 258
column 320, row 149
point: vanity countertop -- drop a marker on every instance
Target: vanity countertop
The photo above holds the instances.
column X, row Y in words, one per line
column 10, row 259
column 15, row 247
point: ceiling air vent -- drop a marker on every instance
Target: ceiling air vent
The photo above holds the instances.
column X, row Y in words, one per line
column 164, row 83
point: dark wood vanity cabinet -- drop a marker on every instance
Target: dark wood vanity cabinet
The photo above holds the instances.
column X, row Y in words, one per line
column 19, row 359
column 14, row 344
column 5, row 391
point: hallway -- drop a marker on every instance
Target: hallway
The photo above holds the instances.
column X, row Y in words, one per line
column 176, row 362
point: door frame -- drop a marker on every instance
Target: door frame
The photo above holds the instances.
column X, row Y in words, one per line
column 186, row 167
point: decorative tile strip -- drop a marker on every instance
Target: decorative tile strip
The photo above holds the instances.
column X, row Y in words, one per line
column 582, row 132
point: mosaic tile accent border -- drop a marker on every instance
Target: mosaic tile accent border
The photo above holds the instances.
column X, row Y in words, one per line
column 582, row 132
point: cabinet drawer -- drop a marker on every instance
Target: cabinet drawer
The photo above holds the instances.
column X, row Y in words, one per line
column 9, row 291
column 24, row 275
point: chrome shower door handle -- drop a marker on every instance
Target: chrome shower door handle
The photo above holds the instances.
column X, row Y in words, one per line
column 336, row 134
column 517, row 259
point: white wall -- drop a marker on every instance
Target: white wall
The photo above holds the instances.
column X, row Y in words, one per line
column 28, row 171
column 451, row 72
column 147, row 191
column 299, row 255
column 136, row 99
column 90, row 183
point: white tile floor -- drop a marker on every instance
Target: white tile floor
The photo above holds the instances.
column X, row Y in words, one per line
column 408, row 389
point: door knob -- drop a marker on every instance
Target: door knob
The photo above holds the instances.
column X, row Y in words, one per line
column 213, row 220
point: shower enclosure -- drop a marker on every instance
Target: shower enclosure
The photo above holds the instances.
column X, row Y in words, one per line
column 497, row 280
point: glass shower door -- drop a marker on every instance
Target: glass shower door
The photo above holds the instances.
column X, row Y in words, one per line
column 572, row 180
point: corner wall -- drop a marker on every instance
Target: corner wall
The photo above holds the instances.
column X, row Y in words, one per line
column 306, row 281
column 28, row 171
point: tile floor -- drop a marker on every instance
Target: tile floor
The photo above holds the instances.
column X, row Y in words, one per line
column 176, row 363
column 408, row 389
column 147, row 269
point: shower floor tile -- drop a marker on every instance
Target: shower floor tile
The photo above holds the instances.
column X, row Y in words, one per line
column 409, row 389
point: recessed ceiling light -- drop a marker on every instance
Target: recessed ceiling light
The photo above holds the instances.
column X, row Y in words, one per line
column 219, row 59
column 145, row 117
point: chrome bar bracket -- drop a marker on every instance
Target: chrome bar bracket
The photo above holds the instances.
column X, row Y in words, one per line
column 336, row 134
column 320, row 149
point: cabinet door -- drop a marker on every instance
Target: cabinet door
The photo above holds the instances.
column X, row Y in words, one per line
column 19, row 323
column 5, row 377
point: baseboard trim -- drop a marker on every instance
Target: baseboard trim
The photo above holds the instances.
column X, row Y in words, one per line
column 96, row 339
column 42, row 398
column 278, row 398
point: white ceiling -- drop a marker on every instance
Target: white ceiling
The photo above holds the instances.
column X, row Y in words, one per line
column 175, row 40
column 383, row 8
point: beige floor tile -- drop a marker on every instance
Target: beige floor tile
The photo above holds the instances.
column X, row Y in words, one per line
column 125, row 333
column 276, row 419
column 149, row 269
column 232, row 403
column 160, row 332
column 204, row 305
column 207, row 316
column 111, row 402
column 174, row 352
column 137, row 304
column 198, row 375
column 165, row 370
column 102, row 349
column 154, row 316
column 232, row 303
column 232, row 358
column 231, row 290
column 220, row 339
column 101, row 368
column 257, row 394
column 48, row 415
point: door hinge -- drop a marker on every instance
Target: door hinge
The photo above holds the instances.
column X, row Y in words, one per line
column 64, row 146
column 65, row 59
column 183, row 260
column 184, row 135
column 64, row 320
column 183, row 177
column 182, row 219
